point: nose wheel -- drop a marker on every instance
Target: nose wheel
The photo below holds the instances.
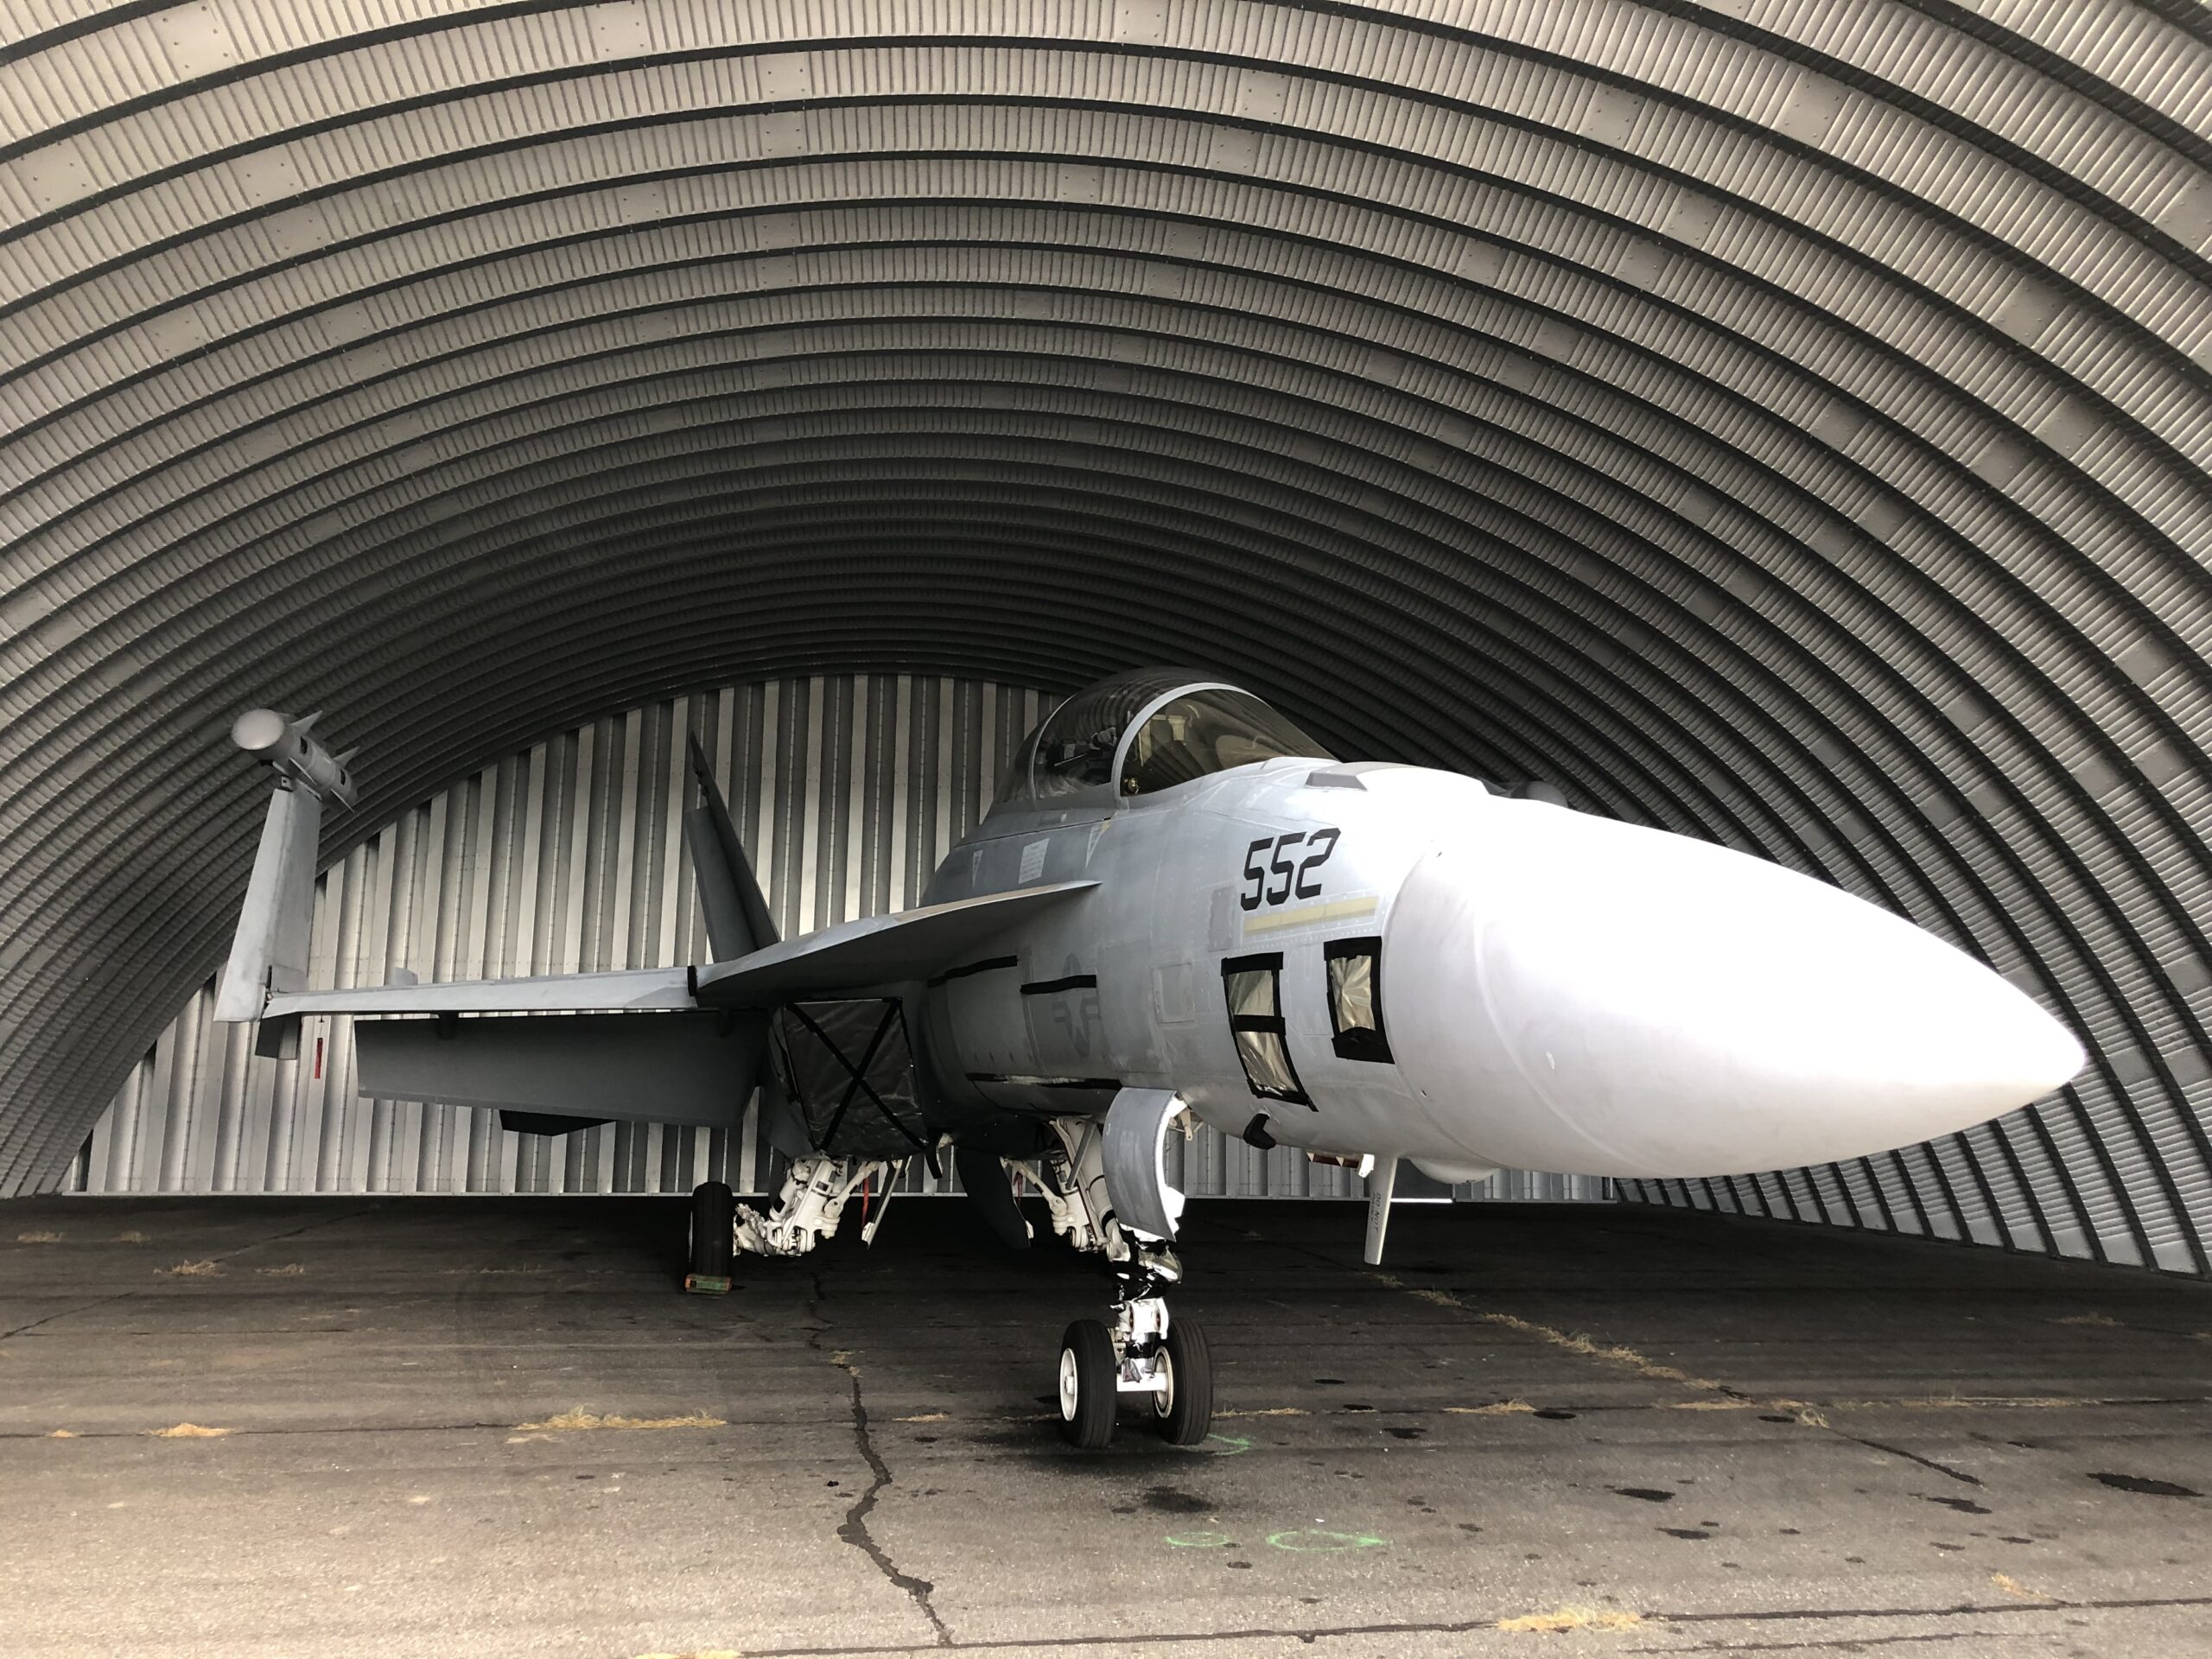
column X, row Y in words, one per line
column 1182, row 1408
column 1141, row 1353
column 1090, row 1385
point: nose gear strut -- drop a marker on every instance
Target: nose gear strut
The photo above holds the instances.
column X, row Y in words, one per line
column 1139, row 1350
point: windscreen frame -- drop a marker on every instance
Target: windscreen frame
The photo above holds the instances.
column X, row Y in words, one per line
column 1150, row 711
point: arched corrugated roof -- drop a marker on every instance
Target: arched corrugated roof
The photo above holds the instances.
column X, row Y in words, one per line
column 1780, row 421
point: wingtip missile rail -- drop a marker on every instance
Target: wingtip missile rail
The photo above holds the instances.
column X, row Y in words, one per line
column 289, row 746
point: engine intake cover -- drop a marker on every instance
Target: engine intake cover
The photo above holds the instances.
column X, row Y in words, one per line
column 849, row 1067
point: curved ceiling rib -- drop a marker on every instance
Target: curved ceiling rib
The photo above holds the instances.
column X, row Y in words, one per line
column 1787, row 422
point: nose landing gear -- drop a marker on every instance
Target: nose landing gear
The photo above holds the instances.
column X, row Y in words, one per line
column 1141, row 1351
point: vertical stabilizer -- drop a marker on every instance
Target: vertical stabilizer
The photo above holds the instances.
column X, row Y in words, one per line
column 270, row 951
column 730, row 898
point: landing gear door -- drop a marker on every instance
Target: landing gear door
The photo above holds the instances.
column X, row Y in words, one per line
column 849, row 1068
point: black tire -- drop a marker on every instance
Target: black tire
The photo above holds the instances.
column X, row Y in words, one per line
column 714, row 1220
column 1086, row 1378
column 1183, row 1412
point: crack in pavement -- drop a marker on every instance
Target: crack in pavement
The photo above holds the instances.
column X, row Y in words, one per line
column 853, row 1529
column 123, row 1296
column 1618, row 1354
column 1943, row 1469
column 1315, row 1634
column 1857, row 1643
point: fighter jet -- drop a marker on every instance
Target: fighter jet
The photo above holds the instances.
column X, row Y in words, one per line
column 1182, row 908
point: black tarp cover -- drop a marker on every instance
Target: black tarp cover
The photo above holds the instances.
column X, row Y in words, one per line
column 850, row 1068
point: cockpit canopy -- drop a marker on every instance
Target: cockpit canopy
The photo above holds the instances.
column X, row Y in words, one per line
column 1145, row 731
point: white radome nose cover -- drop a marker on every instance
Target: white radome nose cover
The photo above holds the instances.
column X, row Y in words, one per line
column 1589, row 996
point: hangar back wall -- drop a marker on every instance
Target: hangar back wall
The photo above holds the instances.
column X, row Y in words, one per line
column 1784, row 420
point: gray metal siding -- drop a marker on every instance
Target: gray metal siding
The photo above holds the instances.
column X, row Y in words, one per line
column 1789, row 425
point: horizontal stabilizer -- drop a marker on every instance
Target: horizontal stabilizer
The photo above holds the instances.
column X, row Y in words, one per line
column 631, row 987
column 880, row 950
column 668, row 1068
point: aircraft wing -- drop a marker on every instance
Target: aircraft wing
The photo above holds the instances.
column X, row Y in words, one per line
column 634, row 988
column 878, row 950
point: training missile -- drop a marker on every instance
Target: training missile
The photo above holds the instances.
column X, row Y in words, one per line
column 287, row 745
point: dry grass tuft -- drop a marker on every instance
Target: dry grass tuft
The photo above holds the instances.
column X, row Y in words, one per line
column 926, row 1417
column 2105, row 1320
column 1573, row 1619
column 134, row 1236
column 1266, row 1411
column 191, row 1270
column 2013, row 1586
column 63, row 1434
column 188, row 1432
column 289, row 1270
column 1496, row 1409
column 579, row 1418
column 1576, row 1343
column 38, row 1238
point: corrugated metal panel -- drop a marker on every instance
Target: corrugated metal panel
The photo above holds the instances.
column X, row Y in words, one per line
column 1784, row 423
column 568, row 857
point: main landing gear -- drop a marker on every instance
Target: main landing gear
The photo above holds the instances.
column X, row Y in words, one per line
column 1105, row 1185
column 807, row 1212
column 714, row 1215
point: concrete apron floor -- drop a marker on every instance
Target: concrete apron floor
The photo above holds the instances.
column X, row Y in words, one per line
column 495, row 1426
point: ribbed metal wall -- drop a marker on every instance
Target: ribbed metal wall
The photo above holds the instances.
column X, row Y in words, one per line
column 1786, row 422
column 566, row 857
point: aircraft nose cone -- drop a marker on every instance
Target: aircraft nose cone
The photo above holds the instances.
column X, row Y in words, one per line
column 1610, row 1000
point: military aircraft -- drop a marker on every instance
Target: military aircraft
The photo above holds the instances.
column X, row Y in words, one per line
column 1180, row 907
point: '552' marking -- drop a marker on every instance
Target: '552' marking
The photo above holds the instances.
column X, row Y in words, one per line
column 1275, row 873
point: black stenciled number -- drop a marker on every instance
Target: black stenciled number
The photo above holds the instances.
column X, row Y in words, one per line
column 1254, row 874
column 1297, row 875
column 1323, row 842
column 1283, row 867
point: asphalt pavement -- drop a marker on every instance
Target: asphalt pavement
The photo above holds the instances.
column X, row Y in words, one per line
column 352, row 1427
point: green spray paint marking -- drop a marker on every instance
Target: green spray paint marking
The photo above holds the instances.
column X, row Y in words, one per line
column 1312, row 1540
column 1200, row 1540
column 1236, row 1443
